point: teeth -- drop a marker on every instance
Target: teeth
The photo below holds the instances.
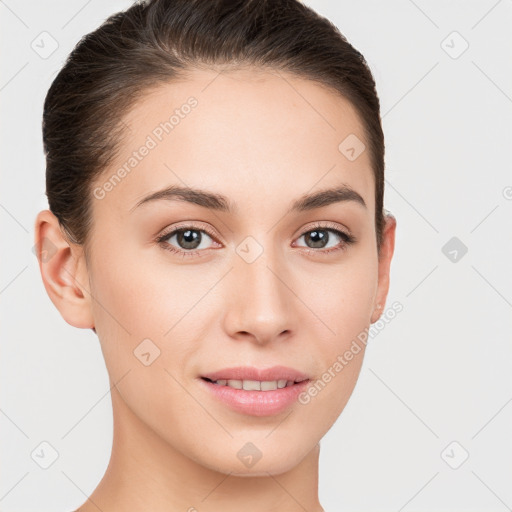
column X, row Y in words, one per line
column 237, row 384
column 255, row 385
column 251, row 385
column 268, row 385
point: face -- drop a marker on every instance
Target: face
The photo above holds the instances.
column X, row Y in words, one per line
column 260, row 277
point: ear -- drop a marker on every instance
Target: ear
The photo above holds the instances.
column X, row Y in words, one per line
column 64, row 271
column 387, row 249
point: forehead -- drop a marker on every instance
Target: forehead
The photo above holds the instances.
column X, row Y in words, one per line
column 235, row 131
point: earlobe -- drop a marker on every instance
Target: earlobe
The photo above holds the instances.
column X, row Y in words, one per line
column 63, row 270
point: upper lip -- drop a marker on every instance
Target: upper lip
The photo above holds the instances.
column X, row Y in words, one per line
column 252, row 373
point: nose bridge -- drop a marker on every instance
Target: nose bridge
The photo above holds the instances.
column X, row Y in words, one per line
column 262, row 303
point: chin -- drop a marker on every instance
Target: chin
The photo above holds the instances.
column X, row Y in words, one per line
column 276, row 463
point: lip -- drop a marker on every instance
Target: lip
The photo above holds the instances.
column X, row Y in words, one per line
column 256, row 403
column 252, row 373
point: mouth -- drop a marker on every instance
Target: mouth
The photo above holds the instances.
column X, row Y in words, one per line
column 254, row 385
column 251, row 374
column 255, row 392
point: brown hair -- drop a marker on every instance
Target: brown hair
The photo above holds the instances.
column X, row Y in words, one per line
column 155, row 42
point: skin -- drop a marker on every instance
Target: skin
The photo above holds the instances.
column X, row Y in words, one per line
column 254, row 139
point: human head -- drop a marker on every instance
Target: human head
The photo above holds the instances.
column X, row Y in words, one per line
column 104, row 102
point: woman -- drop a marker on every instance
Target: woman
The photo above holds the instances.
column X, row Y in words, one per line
column 215, row 179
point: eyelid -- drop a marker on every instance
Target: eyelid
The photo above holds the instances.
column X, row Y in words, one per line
column 184, row 225
column 326, row 225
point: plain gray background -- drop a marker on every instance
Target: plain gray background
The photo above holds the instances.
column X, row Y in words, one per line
column 428, row 425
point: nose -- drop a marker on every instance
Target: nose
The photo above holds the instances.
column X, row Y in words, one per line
column 261, row 304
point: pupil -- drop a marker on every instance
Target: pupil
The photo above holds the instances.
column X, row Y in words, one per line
column 189, row 239
column 317, row 238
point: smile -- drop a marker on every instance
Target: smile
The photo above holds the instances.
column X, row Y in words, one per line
column 253, row 385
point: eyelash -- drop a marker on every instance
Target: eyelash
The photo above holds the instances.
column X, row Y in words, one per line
column 347, row 239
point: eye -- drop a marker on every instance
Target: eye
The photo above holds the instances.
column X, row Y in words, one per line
column 325, row 239
column 185, row 240
column 190, row 240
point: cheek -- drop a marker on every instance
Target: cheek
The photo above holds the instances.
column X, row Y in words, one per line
column 135, row 306
column 342, row 297
column 136, row 293
column 137, row 298
column 123, row 307
column 344, row 303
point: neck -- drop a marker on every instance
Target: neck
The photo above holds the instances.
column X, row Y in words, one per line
column 146, row 473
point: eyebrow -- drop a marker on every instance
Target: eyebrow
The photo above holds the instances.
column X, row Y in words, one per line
column 221, row 203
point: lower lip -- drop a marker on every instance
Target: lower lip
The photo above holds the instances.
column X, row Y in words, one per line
column 256, row 403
